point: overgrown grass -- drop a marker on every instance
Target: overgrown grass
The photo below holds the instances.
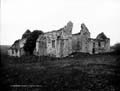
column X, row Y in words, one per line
column 81, row 72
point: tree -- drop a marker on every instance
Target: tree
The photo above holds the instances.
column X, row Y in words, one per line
column 26, row 34
column 16, row 41
column 116, row 48
column 31, row 41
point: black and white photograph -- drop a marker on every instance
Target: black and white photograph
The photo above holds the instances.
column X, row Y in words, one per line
column 60, row 45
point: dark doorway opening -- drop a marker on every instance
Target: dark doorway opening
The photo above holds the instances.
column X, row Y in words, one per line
column 93, row 51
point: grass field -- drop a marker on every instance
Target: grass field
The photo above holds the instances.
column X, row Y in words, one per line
column 83, row 73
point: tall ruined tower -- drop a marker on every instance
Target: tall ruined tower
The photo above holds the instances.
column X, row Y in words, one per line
column 67, row 30
column 84, row 31
column 84, row 36
column 66, row 41
column 80, row 40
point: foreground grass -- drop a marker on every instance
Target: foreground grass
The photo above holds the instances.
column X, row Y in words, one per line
column 91, row 73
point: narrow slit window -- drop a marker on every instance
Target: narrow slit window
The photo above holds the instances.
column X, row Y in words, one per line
column 53, row 43
column 99, row 44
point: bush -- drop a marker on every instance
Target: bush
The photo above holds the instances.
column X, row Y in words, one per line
column 116, row 48
column 31, row 41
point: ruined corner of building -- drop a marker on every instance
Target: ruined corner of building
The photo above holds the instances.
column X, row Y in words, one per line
column 61, row 42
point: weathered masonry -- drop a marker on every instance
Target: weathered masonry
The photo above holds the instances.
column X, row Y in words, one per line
column 56, row 43
column 17, row 48
column 62, row 42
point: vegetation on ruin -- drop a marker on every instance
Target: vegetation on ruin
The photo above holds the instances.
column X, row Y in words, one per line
column 31, row 41
column 26, row 34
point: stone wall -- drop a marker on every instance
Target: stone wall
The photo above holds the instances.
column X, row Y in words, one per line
column 41, row 46
column 58, row 43
column 76, row 44
column 61, row 43
column 99, row 46
column 80, row 40
column 17, row 48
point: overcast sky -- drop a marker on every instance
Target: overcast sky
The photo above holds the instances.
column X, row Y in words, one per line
column 47, row 15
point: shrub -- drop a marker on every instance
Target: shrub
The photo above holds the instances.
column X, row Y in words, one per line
column 31, row 41
column 116, row 48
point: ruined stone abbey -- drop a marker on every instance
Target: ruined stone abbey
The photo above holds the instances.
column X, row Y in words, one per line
column 61, row 43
